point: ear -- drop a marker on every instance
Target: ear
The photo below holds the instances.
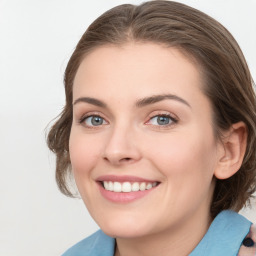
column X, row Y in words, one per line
column 232, row 151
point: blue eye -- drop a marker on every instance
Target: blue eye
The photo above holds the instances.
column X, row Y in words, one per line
column 93, row 121
column 163, row 120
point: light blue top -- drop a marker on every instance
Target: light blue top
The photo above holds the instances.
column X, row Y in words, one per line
column 224, row 237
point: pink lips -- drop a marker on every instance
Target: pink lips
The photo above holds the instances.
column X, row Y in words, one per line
column 121, row 197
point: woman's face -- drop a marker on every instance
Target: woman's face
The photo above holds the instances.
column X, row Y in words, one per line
column 142, row 126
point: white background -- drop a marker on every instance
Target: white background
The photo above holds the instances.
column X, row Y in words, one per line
column 36, row 40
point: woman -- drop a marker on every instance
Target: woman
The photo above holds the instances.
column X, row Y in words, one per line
column 159, row 131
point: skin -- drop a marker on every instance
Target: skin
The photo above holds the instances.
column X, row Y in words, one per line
column 183, row 156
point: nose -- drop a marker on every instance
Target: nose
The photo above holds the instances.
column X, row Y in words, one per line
column 121, row 147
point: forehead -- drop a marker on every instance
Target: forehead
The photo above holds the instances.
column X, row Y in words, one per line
column 137, row 70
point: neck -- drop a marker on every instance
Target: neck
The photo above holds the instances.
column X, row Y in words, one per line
column 177, row 241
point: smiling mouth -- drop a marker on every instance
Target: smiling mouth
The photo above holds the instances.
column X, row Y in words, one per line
column 126, row 186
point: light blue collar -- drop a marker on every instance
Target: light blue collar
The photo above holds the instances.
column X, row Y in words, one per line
column 98, row 244
column 224, row 237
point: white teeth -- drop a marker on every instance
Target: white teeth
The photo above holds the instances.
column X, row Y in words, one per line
column 127, row 186
column 106, row 185
column 142, row 186
column 135, row 186
column 117, row 187
column 149, row 186
column 110, row 186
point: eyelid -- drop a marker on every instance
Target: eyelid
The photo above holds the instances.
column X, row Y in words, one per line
column 174, row 118
column 82, row 119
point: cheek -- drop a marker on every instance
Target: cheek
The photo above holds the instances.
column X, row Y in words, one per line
column 184, row 156
column 188, row 166
column 83, row 153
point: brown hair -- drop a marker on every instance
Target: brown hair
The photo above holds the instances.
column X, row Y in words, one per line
column 228, row 83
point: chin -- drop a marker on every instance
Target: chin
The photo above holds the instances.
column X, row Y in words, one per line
column 124, row 229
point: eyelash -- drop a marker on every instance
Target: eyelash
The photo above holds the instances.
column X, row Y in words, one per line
column 84, row 118
column 172, row 122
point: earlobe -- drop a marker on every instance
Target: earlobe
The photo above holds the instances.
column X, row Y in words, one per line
column 233, row 150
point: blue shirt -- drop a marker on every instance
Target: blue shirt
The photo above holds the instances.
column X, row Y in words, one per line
column 224, row 237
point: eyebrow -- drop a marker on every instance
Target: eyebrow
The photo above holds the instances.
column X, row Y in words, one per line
column 139, row 103
column 92, row 101
column 156, row 98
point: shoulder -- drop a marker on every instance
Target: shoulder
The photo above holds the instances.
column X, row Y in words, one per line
column 248, row 247
column 98, row 244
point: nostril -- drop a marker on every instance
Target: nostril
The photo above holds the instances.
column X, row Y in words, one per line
column 119, row 161
column 125, row 160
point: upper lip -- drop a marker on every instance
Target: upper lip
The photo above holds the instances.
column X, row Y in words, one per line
column 123, row 178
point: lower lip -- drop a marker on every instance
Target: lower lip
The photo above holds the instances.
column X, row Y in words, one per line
column 123, row 197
